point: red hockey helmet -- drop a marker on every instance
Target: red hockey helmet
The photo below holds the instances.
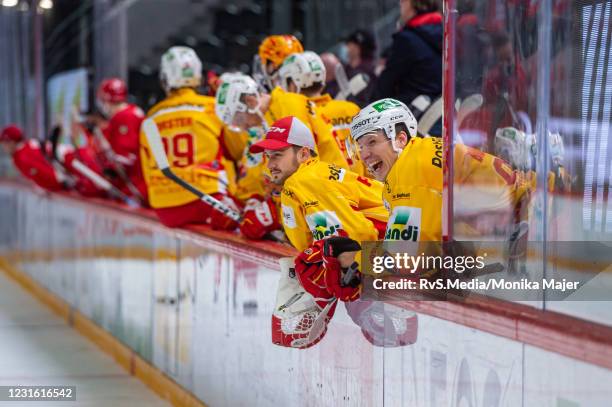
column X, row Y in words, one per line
column 11, row 133
column 112, row 90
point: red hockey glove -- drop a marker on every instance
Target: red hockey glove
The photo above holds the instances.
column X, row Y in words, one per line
column 342, row 282
column 311, row 272
column 219, row 221
column 259, row 218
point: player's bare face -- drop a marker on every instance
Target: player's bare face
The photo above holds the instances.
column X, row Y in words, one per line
column 8, row 147
column 377, row 153
column 282, row 164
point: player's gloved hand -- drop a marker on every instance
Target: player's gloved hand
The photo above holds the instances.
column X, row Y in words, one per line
column 259, row 218
column 218, row 220
column 310, row 271
column 341, row 279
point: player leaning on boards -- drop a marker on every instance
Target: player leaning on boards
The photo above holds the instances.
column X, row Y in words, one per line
column 411, row 169
column 239, row 104
column 320, row 202
column 120, row 138
column 190, row 133
column 304, row 73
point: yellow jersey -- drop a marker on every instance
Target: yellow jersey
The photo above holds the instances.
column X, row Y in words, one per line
column 190, row 133
column 283, row 104
column 253, row 174
column 340, row 113
column 320, row 199
column 413, row 188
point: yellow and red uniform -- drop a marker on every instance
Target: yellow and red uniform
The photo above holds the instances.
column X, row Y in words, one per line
column 340, row 113
column 319, row 200
column 190, row 132
column 253, row 172
column 413, row 188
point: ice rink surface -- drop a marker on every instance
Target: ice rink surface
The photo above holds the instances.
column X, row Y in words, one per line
column 39, row 348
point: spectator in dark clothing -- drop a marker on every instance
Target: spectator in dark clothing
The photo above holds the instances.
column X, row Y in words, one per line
column 361, row 47
column 415, row 65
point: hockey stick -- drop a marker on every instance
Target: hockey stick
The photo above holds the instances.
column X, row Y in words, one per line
column 469, row 105
column 354, row 86
column 155, row 144
column 430, row 117
column 343, row 82
column 320, row 323
column 101, row 183
column 113, row 158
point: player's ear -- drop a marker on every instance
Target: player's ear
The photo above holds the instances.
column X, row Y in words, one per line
column 303, row 154
column 401, row 139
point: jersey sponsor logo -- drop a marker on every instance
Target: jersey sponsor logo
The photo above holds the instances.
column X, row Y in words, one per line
column 309, row 204
column 404, row 224
column 323, row 224
column 401, row 195
column 341, row 121
column 436, row 160
column 336, row 173
column 288, row 217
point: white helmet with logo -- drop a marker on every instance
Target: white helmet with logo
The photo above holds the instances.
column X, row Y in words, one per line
column 383, row 115
column 304, row 69
column 180, row 68
column 229, row 98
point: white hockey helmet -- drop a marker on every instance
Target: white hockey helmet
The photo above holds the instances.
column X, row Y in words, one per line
column 229, row 99
column 180, row 68
column 383, row 115
column 304, row 69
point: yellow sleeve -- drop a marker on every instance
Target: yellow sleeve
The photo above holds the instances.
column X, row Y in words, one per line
column 292, row 104
column 251, row 182
column 484, row 182
column 234, row 143
column 294, row 222
column 327, row 145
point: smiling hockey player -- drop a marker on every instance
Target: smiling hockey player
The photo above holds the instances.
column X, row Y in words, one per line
column 240, row 105
column 319, row 200
column 411, row 168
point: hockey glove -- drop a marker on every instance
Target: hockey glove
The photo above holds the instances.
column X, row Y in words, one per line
column 259, row 218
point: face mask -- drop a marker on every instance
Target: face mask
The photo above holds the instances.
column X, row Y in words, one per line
column 343, row 53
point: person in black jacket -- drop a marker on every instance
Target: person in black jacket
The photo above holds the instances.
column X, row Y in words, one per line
column 414, row 66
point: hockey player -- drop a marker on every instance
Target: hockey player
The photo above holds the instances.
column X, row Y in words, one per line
column 411, row 168
column 122, row 133
column 190, row 134
column 240, row 105
column 272, row 52
column 305, row 73
column 29, row 159
column 319, row 200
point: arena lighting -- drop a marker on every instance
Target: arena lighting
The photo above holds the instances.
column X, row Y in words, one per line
column 9, row 3
column 46, row 4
